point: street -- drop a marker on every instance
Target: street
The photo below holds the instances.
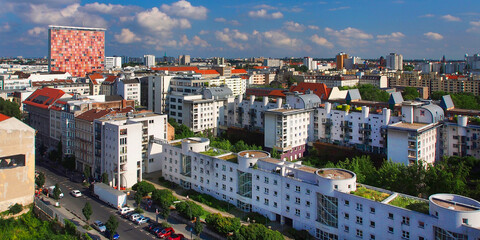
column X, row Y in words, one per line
column 126, row 229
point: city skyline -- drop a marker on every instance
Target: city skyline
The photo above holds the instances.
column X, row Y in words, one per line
column 369, row 29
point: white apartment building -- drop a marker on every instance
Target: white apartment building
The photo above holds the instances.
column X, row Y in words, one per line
column 460, row 137
column 334, row 80
column 287, row 131
column 270, row 62
column 12, row 82
column 352, row 62
column 326, row 202
column 149, row 60
column 124, row 145
column 154, row 91
column 129, row 89
column 394, row 61
column 113, row 63
column 377, row 81
column 67, row 86
column 249, row 113
column 37, row 77
column 237, row 85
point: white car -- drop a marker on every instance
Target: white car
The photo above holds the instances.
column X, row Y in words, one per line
column 134, row 217
column 125, row 210
column 99, row 226
column 76, row 193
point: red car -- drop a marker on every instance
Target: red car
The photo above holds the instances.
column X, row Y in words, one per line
column 166, row 232
column 176, row 236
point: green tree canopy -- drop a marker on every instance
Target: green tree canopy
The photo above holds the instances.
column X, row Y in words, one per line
column 40, row 179
column 56, row 192
column 257, row 231
column 189, row 209
column 410, row 93
column 87, row 211
column 112, row 225
column 143, row 188
column 221, row 224
column 10, row 109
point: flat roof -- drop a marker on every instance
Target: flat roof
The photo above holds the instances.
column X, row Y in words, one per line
column 409, row 126
column 77, row 28
column 450, row 204
column 334, row 173
column 307, row 169
column 253, row 153
column 271, row 160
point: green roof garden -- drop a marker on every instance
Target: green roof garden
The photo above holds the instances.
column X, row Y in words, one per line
column 411, row 204
column 214, row 152
column 370, row 194
column 230, row 158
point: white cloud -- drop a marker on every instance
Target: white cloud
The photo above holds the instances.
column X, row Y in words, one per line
column 197, row 41
column 450, row 18
column 203, row 32
column 126, row 36
column 70, row 15
column 433, row 36
column 265, row 6
column 6, row 27
column 232, row 22
column 293, row 26
column 475, row 24
column 321, row 41
column 229, row 36
column 262, row 13
column 220, row 20
column 313, row 27
column 429, row 15
column 280, row 39
column 115, row 9
column 339, row 8
column 159, row 22
column 127, row 18
column 475, row 27
column 185, row 9
column 395, row 37
column 349, row 37
column 37, row 31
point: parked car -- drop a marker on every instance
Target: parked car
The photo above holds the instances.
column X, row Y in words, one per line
column 99, row 226
column 157, row 230
column 127, row 215
column 76, row 193
column 134, row 217
column 50, row 190
column 151, row 226
column 125, row 210
column 165, row 232
column 142, row 219
column 115, row 236
column 176, row 236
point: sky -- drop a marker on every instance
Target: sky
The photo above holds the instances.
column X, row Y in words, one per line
column 417, row 29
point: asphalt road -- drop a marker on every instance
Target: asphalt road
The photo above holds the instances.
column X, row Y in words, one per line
column 126, row 229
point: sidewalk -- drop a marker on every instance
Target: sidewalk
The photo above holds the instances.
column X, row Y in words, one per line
column 61, row 213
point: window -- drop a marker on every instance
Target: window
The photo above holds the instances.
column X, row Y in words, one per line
column 347, row 216
column 258, row 188
column 372, row 224
column 288, row 185
column 372, row 237
column 390, row 216
column 372, row 210
column 258, row 198
column 308, row 191
column 359, row 220
column 297, row 200
column 275, row 193
column 266, row 201
column 288, row 209
column 390, row 229
column 224, row 177
column 465, row 221
column 266, row 191
column 359, row 207
column 266, row 180
column 347, row 203
column 297, row 189
column 406, row 221
column 346, row 229
column 405, row 235
column 307, row 215
column 359, row 233
column 421, row 224
column 224, row 168
column 297, row 212
column 287, row 197
column 275, row 182
column 274, row 204
column 307, row 203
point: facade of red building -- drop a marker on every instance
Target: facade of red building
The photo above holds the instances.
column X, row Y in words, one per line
column 76, row 50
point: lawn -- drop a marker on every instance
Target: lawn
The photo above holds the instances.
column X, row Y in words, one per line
column 411, row 204
column 370, row 194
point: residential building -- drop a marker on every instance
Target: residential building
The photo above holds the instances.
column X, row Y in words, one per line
column 95, row 83
column 17, row 162
column 269, row 62
column 149, row 60
column 325, row 202
column 473, row 62
column 122, row 145
column 68, row 86
column 236, row 84
column 129, row 89
column 352, row 62
column 460, row 137
column 249, row 113
column 184, row 60
column 375, row 80
column 153, row 92
column 333, row 81
column 319, row 89
column 76, row 50
column 108, row 86
column 394, row 61
column 113, row 63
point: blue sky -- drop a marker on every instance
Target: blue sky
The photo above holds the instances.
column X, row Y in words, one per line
column 366, row 28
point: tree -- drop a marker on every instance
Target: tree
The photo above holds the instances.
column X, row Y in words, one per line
column 105, row 178
column 410, row 93
column 87, row 211
column 86, row 173
column 69, row 162
column 56, row 192
column 40, row 179
column 221, row 224
column 138, row 198
column 10, row 109
column 257, row 231
column 274, row 153
column 163, row 198
column 143, row 188
column 198, row 226
column 112, row 225
column 70, row 228
column 189, row 209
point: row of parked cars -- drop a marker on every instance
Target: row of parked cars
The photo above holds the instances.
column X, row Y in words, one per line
column 103, row 229
column 164, row 232
column 129, row 213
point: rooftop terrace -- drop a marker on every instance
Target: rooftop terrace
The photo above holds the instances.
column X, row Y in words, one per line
column 230, row 158
column 335, row 173
column 411, row 204
column 370, row 194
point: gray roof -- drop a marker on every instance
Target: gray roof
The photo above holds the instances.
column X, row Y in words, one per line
column 133, row 80
column 217, row 92
column 435, row 110
column 446, row 102
column 311, row 100
column 353, row 94
column 395, row 98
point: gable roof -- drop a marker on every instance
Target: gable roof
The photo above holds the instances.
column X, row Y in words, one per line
column 44, row 98
column 446, row 102
column 3, row 117
column 353, row 94
column 111, row 79
column 276, row 93
column 395, row 98
column 239, row 71
column 94, row 77
column 207, row 71
column 320, row 89
column 175, row 69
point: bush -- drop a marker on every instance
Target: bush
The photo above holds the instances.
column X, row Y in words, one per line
column 300, row 235
column 165, row 225
column 209, row 201
column 257, row 231
column 17, row 208
column 221, row 224
column 70, row 228
column 259, row 218
column 143, row 188
column 165, row 183
column 163, row 198
column 138, row 210
column 189, row 209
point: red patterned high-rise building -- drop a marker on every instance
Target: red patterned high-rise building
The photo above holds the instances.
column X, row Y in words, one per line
column 76, row 50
